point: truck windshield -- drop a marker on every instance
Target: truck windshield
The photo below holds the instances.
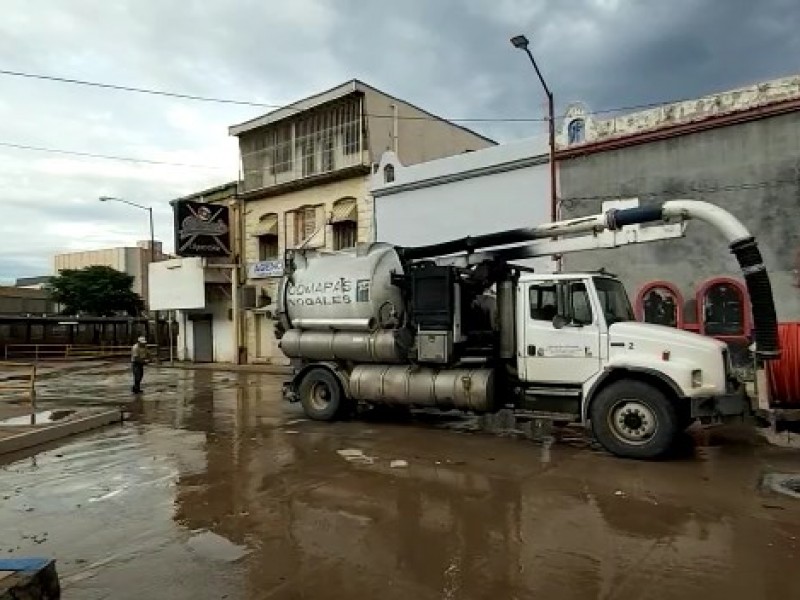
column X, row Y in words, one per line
column 614, row 300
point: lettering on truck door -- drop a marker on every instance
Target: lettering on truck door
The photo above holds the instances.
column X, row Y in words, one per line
column 570, row 354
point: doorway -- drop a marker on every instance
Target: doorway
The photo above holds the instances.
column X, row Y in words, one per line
column 203, row 334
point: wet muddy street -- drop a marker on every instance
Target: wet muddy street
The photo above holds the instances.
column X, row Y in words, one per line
column 217, row 489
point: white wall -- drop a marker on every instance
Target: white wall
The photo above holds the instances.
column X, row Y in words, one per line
column 221, row 331
column 178, row 283
column 498, row 188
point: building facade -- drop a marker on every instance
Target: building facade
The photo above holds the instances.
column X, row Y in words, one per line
column 132, row 260
column 739, row 150
column 305, row 176
column 210, row 331
column 25, row 301
column 489, row 190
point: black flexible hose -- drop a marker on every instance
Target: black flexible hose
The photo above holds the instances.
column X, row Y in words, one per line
column 758, row 287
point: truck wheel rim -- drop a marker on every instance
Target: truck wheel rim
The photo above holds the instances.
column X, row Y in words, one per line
column 632, row 421
column 320, row 395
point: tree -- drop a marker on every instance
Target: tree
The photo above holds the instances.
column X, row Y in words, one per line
column 97, row 291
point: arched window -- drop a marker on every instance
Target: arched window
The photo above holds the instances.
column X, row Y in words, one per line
column 344, row 222
column 576, row 131
column 661, row 303
column 724, row 308
column 388, row 173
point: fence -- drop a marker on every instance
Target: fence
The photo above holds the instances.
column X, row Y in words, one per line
column 69, row 352
column 22, row 383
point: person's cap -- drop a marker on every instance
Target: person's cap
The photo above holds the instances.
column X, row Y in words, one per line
column 142, row 340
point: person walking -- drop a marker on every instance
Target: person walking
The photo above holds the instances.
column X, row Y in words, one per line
column 139, row 357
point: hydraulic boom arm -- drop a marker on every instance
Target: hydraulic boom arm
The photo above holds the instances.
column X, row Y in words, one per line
column 617, row 227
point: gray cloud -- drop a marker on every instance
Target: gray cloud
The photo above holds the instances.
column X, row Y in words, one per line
column 450, row 56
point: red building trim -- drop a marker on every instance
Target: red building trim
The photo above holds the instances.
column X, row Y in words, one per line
column 747, row 318
column 638, row 307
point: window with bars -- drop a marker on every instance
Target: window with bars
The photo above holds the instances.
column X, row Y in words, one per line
column 317, row 141
column 350, row 139
column 305, row 224
column 345, row 235
column 307, row 157
column 282, row 150
column 328, row 154
column 267, row 246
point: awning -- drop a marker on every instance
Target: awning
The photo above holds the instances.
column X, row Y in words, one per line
column 344, row 210
column 267, row 225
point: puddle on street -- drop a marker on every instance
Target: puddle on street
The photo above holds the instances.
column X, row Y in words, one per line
column 222, row 490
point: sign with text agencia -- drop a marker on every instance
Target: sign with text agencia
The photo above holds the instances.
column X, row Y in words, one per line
column 265, row 268
column 201, row 229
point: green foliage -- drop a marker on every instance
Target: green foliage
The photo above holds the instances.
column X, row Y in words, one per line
column 96, row 291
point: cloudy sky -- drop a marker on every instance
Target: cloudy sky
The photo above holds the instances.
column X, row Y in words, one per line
column 451, row 57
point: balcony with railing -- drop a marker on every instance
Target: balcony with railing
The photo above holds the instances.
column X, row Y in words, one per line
column 323, row 141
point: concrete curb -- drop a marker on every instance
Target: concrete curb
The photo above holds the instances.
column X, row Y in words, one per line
column 265, row 369
column 35, row 435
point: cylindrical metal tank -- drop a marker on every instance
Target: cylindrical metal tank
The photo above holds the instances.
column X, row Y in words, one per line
column 379, row 346
column 466, row 389
column 329, row 290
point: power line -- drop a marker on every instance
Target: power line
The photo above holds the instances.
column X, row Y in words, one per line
column 105, row 156
column 211, row 99
column 153, row 92
column 125, row 88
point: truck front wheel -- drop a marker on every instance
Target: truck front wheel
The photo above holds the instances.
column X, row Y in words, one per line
column 321, row 395
column 634, row 419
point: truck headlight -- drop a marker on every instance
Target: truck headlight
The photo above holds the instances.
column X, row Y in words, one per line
column 697, row 378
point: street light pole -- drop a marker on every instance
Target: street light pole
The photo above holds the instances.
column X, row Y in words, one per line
column 521, row 42
column 152, row 256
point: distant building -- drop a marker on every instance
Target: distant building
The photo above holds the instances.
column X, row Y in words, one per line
column 33, row 283
column 306, row 172
column 132, row 260
column 24, row 301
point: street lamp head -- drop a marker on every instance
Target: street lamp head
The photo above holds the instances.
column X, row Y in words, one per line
column 105, row 198
column 520, row 42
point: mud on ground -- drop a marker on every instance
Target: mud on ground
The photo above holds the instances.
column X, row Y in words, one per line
column 216, row 489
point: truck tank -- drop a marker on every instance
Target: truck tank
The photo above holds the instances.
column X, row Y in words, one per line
column 350, row 290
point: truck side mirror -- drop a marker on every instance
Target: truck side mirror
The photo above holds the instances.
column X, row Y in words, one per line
column 559, row 322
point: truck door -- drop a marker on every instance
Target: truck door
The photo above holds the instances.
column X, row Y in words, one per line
column 570, row 352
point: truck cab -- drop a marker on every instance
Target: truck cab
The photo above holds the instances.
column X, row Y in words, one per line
column 577, row 340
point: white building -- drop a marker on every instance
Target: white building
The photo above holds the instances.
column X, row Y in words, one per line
column 132, row 260
column 493, row 189
column 200, row 291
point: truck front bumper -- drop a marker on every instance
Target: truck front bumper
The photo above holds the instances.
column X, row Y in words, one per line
column 733, row 404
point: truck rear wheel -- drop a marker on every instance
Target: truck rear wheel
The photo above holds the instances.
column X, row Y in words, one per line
column 634, row 419
column 321, row 395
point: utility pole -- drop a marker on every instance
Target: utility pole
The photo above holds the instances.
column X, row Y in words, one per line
column 152, row 259
column 521, row 42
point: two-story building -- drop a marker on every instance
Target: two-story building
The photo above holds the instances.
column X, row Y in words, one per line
column 305, row 176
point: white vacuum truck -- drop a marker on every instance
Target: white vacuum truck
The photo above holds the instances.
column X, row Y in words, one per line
column 459, row 325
